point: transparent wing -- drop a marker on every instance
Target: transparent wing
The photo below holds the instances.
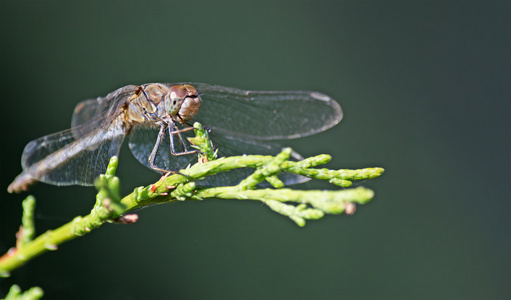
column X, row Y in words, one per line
column 79, row 155
column 266, row 115
column 61, row 159
column 91, row 114
column 143, row 138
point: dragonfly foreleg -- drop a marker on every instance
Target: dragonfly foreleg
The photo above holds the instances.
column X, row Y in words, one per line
column 173, row 131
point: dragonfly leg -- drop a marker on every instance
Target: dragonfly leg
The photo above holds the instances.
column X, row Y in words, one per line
column 156, row 147
column 174, row 131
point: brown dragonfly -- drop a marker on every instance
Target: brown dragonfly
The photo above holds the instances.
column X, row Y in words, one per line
column 157, row 118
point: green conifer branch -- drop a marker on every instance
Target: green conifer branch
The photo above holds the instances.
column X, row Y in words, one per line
column 298, row 205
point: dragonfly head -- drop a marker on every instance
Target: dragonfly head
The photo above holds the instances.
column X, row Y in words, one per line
column 182, row 102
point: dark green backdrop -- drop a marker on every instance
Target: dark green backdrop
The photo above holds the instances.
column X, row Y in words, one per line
column 425, row 87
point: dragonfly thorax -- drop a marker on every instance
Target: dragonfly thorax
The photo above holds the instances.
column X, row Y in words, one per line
column 182, row 102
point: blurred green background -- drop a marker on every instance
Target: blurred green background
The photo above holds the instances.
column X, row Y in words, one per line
column 425, row 88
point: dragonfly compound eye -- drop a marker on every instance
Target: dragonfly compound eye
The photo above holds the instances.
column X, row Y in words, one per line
column 183, row 102
column 174, row 99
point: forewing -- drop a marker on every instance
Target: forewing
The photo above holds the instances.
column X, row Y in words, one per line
column 266, row 115
column 91, row 114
